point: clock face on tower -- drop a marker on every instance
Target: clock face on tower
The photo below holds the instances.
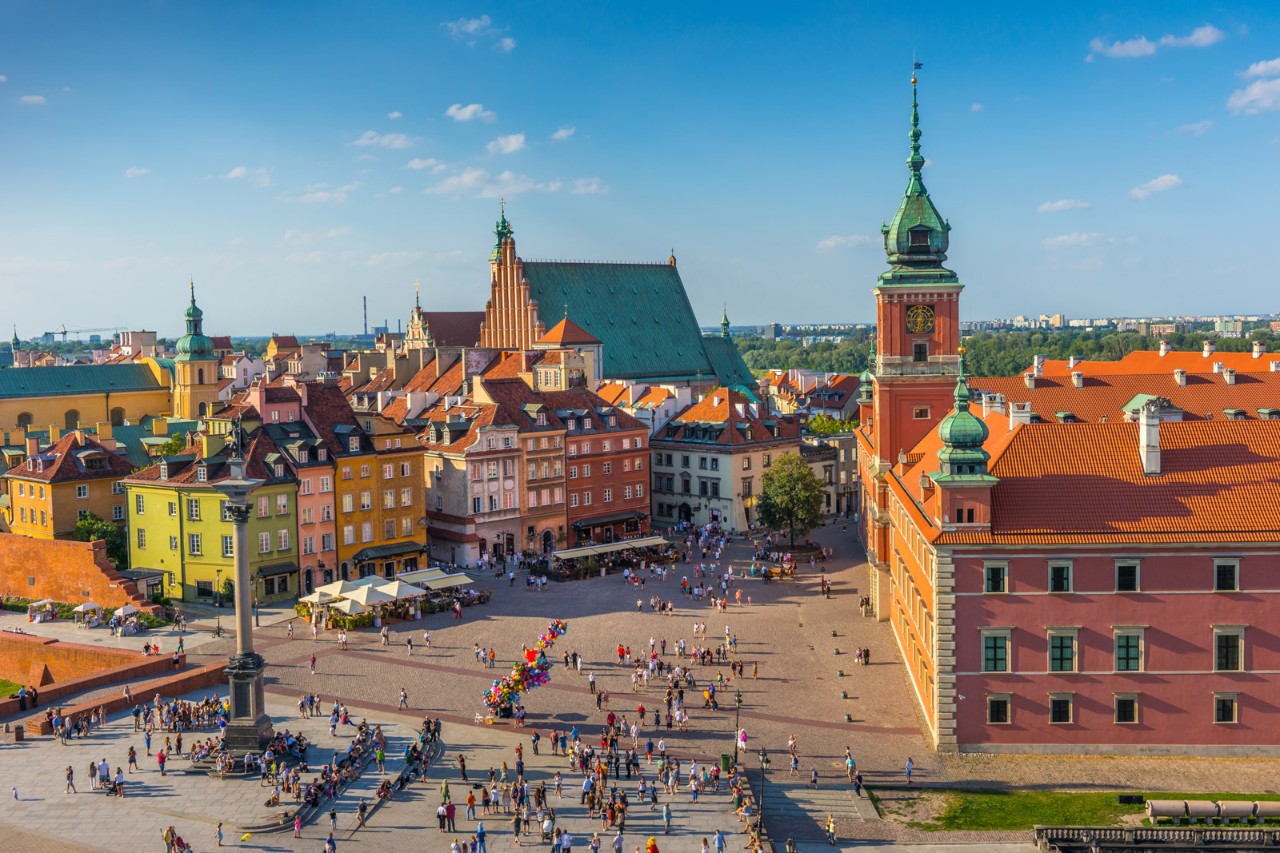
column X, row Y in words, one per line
column 920, row 319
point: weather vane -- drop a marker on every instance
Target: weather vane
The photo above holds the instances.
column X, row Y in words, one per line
column 916, row 65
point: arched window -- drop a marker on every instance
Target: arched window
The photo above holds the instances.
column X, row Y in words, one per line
column 24, row 420
column 117, row 416
column 71, row 419
column 204, row 409
column 200, row 376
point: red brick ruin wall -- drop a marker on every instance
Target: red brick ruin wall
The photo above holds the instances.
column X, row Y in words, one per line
column 65, row 571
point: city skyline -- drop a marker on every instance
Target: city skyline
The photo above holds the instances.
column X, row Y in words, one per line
column 1091, row 161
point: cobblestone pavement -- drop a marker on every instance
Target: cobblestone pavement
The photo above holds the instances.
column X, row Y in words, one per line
column 800, row 640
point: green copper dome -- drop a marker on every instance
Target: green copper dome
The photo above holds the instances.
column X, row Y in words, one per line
column 916, row 239
column 194, row 345
column 502, row 231
column 963, row 434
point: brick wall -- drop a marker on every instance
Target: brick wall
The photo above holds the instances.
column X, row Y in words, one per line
column 19, row 653
column 73, row 572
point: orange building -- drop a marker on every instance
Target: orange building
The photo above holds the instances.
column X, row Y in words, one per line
column 72, row 479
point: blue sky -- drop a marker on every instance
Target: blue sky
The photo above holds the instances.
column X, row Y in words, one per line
column 1094, row 159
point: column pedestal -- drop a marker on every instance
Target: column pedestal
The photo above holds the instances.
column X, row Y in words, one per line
column 250, row 727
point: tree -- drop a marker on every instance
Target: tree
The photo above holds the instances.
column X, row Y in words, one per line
column 824, row 424
column 175, row 444
column 93, row 528
column 792, row 497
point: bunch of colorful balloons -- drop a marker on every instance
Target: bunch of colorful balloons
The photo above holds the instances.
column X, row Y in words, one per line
column 533, row 671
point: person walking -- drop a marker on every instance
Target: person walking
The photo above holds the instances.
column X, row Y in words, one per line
column 313, row 664
column 217, row 834
column 71, row 780
column 907, row 770
column 666, row 818
column 480, row 838
column 831, row 830
column 408, row 644
column 404, row 698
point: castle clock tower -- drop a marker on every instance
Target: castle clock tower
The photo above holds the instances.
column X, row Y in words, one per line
column 195, row 380
column 917, row 318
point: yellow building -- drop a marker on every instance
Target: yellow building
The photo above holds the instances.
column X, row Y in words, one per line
column 72, row 479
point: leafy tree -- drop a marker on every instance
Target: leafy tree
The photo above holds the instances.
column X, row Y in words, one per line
column 173, row 446
column 792, row 497
column 824, row 424
column 93, row 528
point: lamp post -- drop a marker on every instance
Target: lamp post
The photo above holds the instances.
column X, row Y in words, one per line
column 764, row 771
column 217, row 593
column 249, row 727
column 737, row 730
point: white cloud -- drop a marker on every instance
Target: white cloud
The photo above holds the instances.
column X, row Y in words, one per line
column 975, row 107
column 509, row 144
column 305, row 257
column 1155, row 185
column 33, row 99
column 471, row 112
column 481, row 184
column 506, row 45
column 1063, row 204
column 564, row 133
column 429, row 163
column 394, row 259
column 1269, row 68
column 465, row 29
column 296, row 237
column 323, row 193
column 1071, row 241
column 588, row 186
column 336, row 232
column 842, row 241
column 136, row 171
column 384, row 140
column 395, row 114
column 396, row 190
column 1202, row 36
column 1260, row 96
column 3, row 79
column 1139, row 46
column 257, row 177
column 1199, row 128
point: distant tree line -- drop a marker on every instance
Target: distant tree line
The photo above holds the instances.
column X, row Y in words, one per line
column 999, row 353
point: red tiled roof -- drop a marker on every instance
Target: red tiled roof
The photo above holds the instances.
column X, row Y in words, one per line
column 1084, row 483
column 285, row 342
column 455, row 328
column 221, row 342
column 567, row 333
column 730, row 411
column 1203, row 394
column 68, row 458
column 1150, row 361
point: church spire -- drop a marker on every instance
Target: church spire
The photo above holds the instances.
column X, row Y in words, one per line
column 724, row 322
column 417, row 288
column 503, row 230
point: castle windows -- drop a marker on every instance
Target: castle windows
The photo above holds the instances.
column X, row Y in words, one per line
column 920, row 351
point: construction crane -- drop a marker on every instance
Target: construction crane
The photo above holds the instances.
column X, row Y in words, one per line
column 64, row 331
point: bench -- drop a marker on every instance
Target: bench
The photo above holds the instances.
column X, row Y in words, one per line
column 1175, row 810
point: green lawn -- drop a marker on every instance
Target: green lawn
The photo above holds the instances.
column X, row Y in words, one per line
column 8, row 688
column 992, row 809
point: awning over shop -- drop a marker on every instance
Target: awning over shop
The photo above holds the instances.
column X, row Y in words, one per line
column 612, row 518
column 142, row 574
column 448, row 582
column 275, row 569
column 395, row 549
column 421, row 575
column 593, row 550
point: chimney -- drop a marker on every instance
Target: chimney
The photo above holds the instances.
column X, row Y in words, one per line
column 1077, row 378
column 1217, row 367
column 1180, row 377
column 33, row 445
column 1229, row 375
column 103, row 429
column 1038, row 364
column 1209, row 347
column 1074, row 360
column 159, row 427
column 1165, row 349
column 1275, row 366
column 1019, row 413
column 1030, row 379
column 54, row 434
column 1149, row 438
column 1259, row 349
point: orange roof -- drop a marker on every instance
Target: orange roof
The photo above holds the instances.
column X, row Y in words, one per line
column 728, row 413
column 567, row 333
column 1106, row 395
column 1151, row 361
column 1069, row 483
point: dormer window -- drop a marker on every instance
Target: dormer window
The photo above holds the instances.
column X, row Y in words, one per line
column 353, row 444
column 322, row 454
column 202, row 474
column 919, row 238
column 164, row 470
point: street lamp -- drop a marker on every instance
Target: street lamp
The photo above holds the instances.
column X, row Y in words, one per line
column 737, row 730
column 764, row 770
column 218, row 599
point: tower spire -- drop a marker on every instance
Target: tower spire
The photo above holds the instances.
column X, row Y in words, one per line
column 724, row 322
column 417, row 287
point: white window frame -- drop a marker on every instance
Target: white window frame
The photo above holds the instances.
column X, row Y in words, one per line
column 1007, row 634
column 1140, row 631
column 1116, row 699
column 1058, row 697
column 1007, row 698
column 1137, row 564
column 1236, row 631
column 1234, row 562
column 1071, row 577
column 1004, row 577
column 82, row 491
column 1050, row 635
column 1235, row 707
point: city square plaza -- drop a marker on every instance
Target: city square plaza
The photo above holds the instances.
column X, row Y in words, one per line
column 802, row 642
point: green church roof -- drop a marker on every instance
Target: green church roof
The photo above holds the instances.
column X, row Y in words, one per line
column 76, row 379
column 642, row 315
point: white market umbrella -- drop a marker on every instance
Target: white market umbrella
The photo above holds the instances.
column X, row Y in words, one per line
column 400, row 590
column 338, row 589
column 317, row 597
column 348, row 607
column 87, row 607
column 127, row 610
column 43, row 602
column 368, row 595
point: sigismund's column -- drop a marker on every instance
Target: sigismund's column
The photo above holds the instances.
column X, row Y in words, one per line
column 249, row 727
